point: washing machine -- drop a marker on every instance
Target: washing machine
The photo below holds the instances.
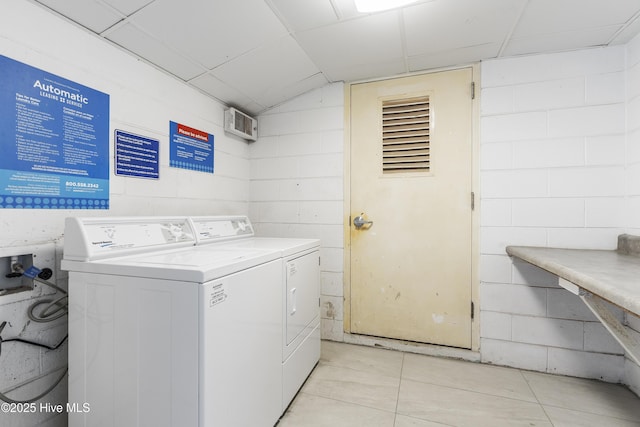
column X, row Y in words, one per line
column 300, row 291
column 165, row 332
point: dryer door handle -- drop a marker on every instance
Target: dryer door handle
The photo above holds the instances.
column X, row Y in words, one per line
column 293, row 302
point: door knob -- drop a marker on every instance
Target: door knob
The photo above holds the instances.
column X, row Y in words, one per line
column 360, row 222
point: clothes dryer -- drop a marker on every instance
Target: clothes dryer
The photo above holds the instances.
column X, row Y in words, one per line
column 300, row 291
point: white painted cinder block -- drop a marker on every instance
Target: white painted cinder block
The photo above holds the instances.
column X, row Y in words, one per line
column 514, row 354
column 550, row 94
column 320, row 212
column 294, row 145
column 514, row 299
column 513, row 127
column 607, row 88
column 332, row 330
column 605, row 367
column 547, row 212
column 495, row 325
column 548, row 332
column 494, row 240
column 584, row 238
column 514, row 184
column 604, row 211
column 562, row 304
column 332, row 259
column 632, row 376
column 632, row 321
column 527, row 274
column 536, row 68
column 495, row 269
column 495, row 156
column 495, row 212
column 591, row 120
column 587, row 182
column 549, row 153
column 331, row 283
column 605, row 150
column 598, row 339
column 280, row 212
column 264, row 190
column 497, row 100
column 331, row 307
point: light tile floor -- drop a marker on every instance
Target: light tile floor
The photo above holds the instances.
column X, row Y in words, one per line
column 370, row 387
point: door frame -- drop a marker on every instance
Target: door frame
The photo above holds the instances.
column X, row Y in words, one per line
column 475, row 187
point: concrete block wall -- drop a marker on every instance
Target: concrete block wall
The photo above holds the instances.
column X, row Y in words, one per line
column 554, row 172
column 297, row 185
column 632, row 370
column 142, row 100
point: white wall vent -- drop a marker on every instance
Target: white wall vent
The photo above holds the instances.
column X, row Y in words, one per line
column 238, row 123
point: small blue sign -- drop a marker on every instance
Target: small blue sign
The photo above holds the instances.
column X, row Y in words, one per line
column 190, row 148
column 136, row 156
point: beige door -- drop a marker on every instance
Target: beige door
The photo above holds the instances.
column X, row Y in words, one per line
column 411, row 175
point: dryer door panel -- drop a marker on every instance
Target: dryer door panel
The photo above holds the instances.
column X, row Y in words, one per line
column 303, row 283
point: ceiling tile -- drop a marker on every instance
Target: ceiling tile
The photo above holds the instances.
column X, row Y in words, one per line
column 349, row 72
column 358, row 44
column 210, row 32
column 89, row 13
column 221, row 91
column 452, row 57
column 282, row 63
column 628, row 32
column 304, row 15
column 553, row 16
column 136, row 41
column 275, row 96
column 559, row 41
column 445, row 24
column 254, row 54
column 127, row 7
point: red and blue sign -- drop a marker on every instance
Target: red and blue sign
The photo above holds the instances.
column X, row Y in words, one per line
column 190, row 148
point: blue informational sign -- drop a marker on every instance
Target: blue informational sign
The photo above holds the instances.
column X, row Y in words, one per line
column 54, row 141
column 136, row 155
column 190, row 148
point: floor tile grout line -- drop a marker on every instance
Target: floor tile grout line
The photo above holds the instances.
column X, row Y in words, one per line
column 348, row 368
column 533, row 392
column 536, row 398
column 346, row 402
column 395, row 417
column 476, row 392
column 546, row 405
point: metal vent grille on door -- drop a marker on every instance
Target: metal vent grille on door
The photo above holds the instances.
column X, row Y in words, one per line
column 405, row 135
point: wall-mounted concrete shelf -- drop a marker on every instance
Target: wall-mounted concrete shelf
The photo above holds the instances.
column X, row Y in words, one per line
column 597, row 275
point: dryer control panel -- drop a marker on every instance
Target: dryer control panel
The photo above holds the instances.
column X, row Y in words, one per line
column 213, row 229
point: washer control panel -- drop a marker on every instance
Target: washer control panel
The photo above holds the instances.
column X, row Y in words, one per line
column 95, row 238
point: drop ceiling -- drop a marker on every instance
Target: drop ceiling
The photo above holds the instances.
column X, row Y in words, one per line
column 254, row 54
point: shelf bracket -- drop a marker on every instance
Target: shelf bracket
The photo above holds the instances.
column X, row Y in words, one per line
column 613, row 325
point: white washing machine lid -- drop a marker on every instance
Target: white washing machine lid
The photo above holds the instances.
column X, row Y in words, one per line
column 193, row 264
column 286, row 246
column 190, row 249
